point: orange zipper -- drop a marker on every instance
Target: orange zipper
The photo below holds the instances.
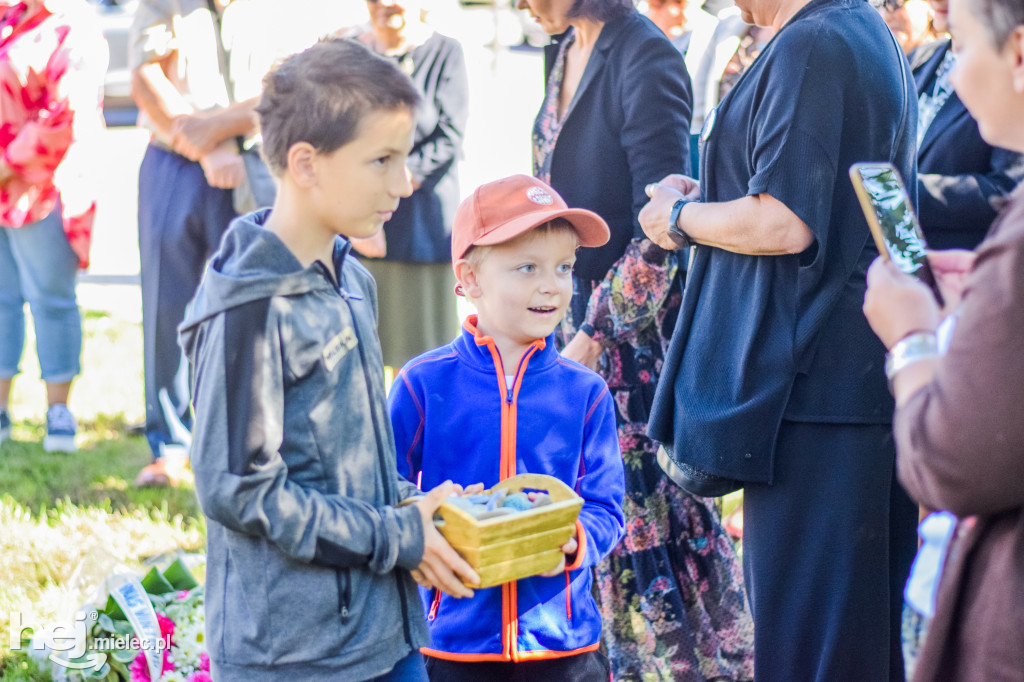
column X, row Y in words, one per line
column 507, row 469
column 568, row 596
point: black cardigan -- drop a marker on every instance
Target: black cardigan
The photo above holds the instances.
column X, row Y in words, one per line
column 627, row 126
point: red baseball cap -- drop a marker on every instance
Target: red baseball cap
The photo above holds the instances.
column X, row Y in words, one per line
column 502, row 210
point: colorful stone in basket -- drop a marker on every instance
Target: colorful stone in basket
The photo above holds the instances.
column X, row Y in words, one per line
column 512, row 543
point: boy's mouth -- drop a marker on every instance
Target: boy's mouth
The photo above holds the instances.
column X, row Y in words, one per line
column 544, row 309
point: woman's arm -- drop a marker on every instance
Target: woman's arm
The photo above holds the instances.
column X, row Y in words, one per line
column 958, row 428
column 756, row 225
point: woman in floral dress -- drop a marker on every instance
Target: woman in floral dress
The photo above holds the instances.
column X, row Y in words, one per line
column 615, row 117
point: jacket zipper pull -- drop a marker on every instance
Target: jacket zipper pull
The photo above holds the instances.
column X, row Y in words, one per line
column 433, row 607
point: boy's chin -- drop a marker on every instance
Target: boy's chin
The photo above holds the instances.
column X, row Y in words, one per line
column 548, row 329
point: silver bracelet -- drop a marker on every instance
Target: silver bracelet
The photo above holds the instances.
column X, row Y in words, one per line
column 908, row 350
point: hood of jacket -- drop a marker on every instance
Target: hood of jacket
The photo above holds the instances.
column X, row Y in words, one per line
column 252, row 263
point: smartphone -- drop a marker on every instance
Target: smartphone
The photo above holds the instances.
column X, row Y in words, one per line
column 892, row 221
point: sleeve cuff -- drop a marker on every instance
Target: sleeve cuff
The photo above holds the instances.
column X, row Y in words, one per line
column 592, row 331
column 410, row 543
column 581, row 551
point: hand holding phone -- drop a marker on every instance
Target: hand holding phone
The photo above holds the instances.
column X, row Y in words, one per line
column 891, row 220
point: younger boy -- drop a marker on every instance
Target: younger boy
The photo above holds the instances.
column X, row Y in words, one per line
column 309, row 559
column 500, row 400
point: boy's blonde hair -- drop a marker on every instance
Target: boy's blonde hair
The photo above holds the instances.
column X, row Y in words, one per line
column 476, row 254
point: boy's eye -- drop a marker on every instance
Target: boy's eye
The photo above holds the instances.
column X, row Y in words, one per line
column 527, row 269
column 382, row 161
column 565, row 269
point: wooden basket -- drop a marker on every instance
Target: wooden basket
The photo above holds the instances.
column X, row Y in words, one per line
column 519, row 545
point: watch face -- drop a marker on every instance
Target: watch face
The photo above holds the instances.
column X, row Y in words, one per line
column 678, row 238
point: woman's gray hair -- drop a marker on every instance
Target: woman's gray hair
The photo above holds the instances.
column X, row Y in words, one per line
column 600, row 10
column 999, row 18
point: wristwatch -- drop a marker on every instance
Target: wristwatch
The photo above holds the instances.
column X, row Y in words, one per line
column 675, row 233
column 911, row 348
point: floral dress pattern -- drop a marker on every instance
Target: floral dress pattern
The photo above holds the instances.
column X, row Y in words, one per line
column 51, row 91
column 671, row 593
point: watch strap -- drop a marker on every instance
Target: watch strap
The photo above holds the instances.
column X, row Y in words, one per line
column 676, row 233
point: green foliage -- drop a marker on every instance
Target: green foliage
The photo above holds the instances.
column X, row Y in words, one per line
column 20, row 667
column 70, row 518
column 99, row 475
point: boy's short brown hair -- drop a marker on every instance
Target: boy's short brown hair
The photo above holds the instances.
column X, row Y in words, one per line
column 321, row 95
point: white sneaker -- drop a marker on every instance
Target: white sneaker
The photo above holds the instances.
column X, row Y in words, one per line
column 61, row 429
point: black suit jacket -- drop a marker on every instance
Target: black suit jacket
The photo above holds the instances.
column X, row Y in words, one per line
column 961, row 178
column 627, row 126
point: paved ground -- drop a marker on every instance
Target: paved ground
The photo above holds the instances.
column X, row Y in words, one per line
column 506, row 86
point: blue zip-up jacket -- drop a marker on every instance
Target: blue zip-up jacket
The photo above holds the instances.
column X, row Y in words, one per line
column 454, row 418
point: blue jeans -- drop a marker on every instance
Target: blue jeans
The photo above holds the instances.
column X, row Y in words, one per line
column 37, row 265
column 409, row 669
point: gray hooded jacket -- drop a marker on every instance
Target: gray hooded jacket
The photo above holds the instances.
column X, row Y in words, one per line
column 294, row 461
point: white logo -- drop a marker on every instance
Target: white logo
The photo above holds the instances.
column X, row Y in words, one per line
column 59, row 638
column 539, row 196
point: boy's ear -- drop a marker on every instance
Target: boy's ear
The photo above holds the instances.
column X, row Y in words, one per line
column 302, row 164
column 466, row 275
column 1015, row 48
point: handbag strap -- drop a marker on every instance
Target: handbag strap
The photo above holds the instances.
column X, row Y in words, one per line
column 222, row 59
column 222, row 53
column 906, row 96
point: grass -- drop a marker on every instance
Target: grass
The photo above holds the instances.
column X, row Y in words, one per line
column 68, row 520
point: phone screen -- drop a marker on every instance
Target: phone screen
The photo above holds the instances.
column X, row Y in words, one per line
column 892, row 221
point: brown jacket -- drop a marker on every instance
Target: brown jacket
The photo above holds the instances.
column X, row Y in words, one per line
column 960, row 445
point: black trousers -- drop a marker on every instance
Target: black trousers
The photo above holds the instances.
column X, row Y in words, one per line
column 826, row 552
column 588, row 667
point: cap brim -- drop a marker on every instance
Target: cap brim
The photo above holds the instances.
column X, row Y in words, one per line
column 590, row 227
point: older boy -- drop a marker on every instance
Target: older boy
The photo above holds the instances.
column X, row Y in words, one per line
column 500, row 400
column 309, row 557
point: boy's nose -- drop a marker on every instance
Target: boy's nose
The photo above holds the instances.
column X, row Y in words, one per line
column 549, row 283
column 403, row 184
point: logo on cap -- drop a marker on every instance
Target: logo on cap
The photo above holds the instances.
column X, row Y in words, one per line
column 539, row 196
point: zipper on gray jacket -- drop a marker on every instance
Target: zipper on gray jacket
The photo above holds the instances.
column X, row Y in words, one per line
column 344, row 591
column 400, row 578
